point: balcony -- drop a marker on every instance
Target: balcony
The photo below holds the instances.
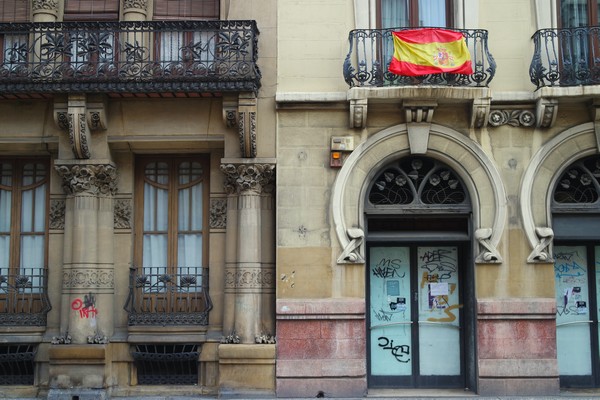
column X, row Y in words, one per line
column 174, row 297
column 24, row 297
column 371, row 51
column 189, row 57
column 566, row 57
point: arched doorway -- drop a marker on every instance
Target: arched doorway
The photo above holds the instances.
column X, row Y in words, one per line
column 575, row 205
column 420, row 291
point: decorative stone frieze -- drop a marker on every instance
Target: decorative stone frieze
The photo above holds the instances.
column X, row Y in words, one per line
column 85, row 278
column 247, row 177
column 57, row 214
column 94, row 179
column 218, row 214
column 122, row 216
column 516, row 118
column 250, row 278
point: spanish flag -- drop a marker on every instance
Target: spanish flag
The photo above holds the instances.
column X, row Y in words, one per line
column 430, row 51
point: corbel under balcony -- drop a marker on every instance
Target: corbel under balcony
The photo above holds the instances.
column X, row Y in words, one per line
column 240, row 111
column 79, row 116
column 420, row 101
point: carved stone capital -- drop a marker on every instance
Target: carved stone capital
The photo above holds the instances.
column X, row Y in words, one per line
column 79, row 118
column 418, row 122
column 138, row 5
column 247, row 177
column 516, row 118
column 358, row 113
column 45, row 7
column 546, row 111
column 541, row 252
column 94, row 179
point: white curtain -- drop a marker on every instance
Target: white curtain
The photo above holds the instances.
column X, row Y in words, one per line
column 432, row 13
column 394, row 13
column 155, row 220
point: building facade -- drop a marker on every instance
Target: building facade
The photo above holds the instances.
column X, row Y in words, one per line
column 220, row 197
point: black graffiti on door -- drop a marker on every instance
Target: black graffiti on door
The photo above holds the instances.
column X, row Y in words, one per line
column 388, row 268
column 400, row 352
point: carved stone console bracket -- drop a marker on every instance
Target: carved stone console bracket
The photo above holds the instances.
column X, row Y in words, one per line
column 358, row 113
column 546, row 111
column 490, row 254
column 352, row 252
column 595, row 109
column 480, row 112
column 542, row 252
column 242, row 112
column 79, row 117
column 418, row 122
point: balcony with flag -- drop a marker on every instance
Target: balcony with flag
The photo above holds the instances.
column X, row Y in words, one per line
column 371, row 58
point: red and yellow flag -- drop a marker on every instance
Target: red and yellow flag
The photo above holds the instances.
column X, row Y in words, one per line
column 430, row 51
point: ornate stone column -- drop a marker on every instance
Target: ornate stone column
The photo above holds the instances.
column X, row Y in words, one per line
column 231, row 237
column 88, row 270
column 249, row 179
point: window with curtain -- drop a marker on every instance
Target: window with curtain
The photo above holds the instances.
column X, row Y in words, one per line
column 186, row 9
column 579, row 48
column 415, row 13
column 23, row 232
column 13, row 48
column 171, row 195
column 91, row 10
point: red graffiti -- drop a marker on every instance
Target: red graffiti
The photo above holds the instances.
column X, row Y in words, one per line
column 86, row 307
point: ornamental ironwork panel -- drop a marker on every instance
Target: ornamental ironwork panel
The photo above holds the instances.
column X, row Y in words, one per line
column 417, row 182
column 131, row 57
column 166, row 364
column 566, row 57
column 17, row 364
column 371, row 51
column 158, row 296
column 24, row 297
column 579, row 186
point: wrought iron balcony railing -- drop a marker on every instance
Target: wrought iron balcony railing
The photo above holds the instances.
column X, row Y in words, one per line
column 566, row 57
column 371, row 51
column 161, row 296
column 24, row 297
column 129, row 57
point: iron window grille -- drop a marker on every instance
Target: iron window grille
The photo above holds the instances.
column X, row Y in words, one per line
column 17, row 364
column 166, row 364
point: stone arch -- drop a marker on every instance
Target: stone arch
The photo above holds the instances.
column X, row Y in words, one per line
column 545, row 167
column 463, row 155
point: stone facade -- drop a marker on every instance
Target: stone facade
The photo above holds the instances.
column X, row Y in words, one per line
column 285, row 303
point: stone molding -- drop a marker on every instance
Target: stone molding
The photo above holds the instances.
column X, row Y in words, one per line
column 93, row 179
column 247, row 178
column 383, row 147
column 250, row 278
column 536, row 188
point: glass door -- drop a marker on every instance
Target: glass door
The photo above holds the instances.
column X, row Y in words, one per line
column 414, row 315
column 577, row 282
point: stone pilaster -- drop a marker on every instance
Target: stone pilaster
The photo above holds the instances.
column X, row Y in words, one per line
column 88, row 270
column 248, row 180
